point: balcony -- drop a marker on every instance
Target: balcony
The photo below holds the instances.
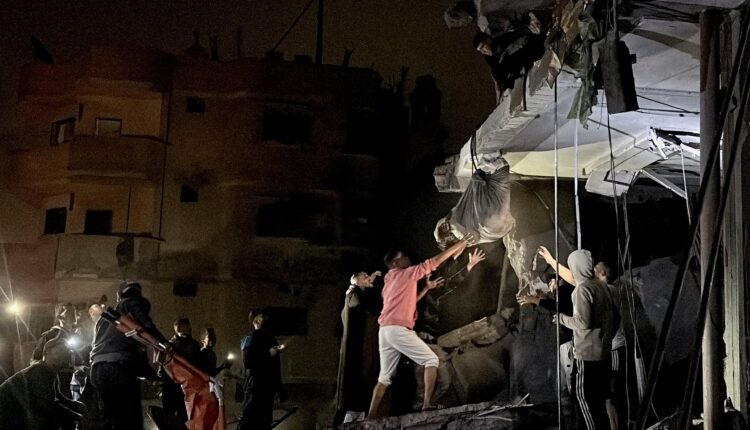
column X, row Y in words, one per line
column 89, row 159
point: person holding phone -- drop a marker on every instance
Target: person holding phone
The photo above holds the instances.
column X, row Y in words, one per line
column 260, row 357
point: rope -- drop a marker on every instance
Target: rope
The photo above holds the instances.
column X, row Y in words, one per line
column 557, row 274
column 684, row 183
column 575, row 184
column 294, row 24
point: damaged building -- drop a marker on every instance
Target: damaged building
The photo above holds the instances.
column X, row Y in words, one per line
column 226, row 185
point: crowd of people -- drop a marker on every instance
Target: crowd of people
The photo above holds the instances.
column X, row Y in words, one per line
column 72, row 383
column 592, row 341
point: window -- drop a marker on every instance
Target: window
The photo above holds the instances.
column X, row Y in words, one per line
column 98, row 222
column 108, row 127
column 188, row 194
column 62, row 131
column 195, row 105
column 287, row 128
column 286, row 321
column 55, row 220
column 185, row 287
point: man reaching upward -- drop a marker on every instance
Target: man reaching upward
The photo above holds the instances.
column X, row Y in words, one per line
column 396, row 335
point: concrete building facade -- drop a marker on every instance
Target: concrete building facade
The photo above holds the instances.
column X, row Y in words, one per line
column 220, row 186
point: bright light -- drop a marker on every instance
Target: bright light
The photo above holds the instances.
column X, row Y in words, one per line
column 14, row 308
column 230, row 356
column 72, row 342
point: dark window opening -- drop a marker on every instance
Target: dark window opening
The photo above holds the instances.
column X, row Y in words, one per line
column 287, row 128
column 195, row 105
column 188, row 194
column 108, row 127
column 303, row 218
column 362, row 132
column 55, row 220
column 286, row 321
column 62, row 131
column 185, row 287
column 98, row 222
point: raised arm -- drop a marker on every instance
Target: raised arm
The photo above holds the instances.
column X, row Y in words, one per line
column 454, row 251
column 563, row 271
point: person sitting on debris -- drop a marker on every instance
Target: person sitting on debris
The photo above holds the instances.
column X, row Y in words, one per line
column 260, row 357
column 396, row 335
column 509, row 55
column 33, row 398
column 594, row 322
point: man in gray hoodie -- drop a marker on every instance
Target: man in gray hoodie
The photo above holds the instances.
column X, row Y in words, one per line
column 594, row 322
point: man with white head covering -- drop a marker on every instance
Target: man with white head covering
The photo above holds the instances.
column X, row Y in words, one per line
column 594, row 322
column 352, row 390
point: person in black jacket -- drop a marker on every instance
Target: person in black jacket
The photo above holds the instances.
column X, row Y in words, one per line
column 118, row 362
column 33, row 398
column 208, row 355
column 260, row 357
column 172, row 397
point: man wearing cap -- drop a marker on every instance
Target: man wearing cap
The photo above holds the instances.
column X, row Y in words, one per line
column 118, row 361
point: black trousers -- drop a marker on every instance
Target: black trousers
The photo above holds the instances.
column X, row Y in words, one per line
column 590, row 386
column 173, row 400
column 120, row 393
column 257, row 409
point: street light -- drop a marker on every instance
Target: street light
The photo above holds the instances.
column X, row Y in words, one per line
column 14, row 308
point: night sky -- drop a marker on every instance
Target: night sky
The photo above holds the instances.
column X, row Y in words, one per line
column 385, row 35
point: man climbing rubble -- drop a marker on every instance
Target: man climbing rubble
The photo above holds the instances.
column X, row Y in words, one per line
column 396, row 335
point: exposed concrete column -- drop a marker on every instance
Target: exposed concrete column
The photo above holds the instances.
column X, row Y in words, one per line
column 735, row 264
column 710, row 22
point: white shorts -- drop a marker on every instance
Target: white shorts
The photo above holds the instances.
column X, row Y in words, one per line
column 395, row 340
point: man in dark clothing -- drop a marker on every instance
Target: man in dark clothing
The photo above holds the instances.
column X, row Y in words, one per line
column 172, row 397
column 509, row 55
column 118, row 362
column 594, row 322
column 66, row 318
column 32, row 399
column 352, row 390
column 208, row 355
column 260, row 357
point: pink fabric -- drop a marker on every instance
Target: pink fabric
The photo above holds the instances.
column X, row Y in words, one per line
column 400, row 294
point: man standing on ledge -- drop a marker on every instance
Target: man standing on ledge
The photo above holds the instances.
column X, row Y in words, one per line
column 396, row 335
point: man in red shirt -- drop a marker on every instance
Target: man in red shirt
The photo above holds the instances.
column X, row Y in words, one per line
column 396, row 335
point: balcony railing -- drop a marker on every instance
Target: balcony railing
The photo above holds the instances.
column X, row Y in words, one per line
column 125, row 157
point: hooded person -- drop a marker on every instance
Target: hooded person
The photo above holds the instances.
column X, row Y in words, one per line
column 594, row 322
column 358, row 349
column 32, row 399
column 117, row 361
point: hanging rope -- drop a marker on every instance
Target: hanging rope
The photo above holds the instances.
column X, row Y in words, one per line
column 557, row 274
column 575, row 184
column 684, row 183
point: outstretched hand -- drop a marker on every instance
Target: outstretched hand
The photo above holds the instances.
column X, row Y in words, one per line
column 544, row 252
column 434, row 283
column 475, row 257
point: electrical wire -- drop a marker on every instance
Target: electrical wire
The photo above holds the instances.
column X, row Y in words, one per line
column 557, row 272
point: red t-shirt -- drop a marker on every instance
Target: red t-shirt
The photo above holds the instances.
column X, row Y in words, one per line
column 400, row 294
